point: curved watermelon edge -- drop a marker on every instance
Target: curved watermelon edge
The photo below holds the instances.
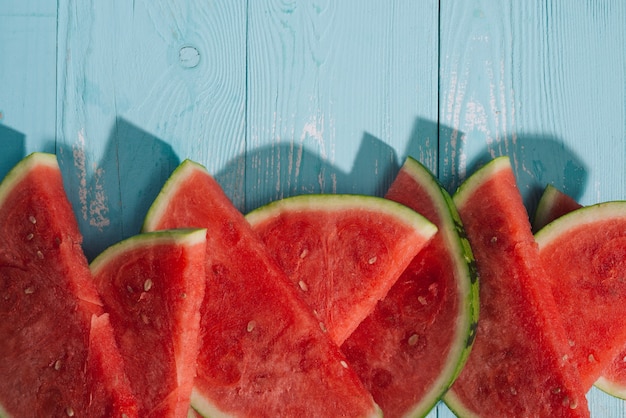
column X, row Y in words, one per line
column 338, row 202
column 610, row 388
column 546, row 201
column 22, row 168
column 455, row 236
column 467, row 188
column 184, row 235
column 578, row 217
column 160, row 203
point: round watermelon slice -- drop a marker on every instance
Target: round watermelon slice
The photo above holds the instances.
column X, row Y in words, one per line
column 262, row 352
column 341, row 252
column 58, row 356
column 584, row 253
column 520, row 363
column 411, row 348
column 152, row 286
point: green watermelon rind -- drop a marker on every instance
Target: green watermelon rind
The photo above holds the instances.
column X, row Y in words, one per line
column 575, row 219
column 580, row 217
column 161, row 202
column 464, row 192
column 342, row 202
column 610, row 388
column 22, row 168
column 467, row 188
column 546, row 201
column 457, row 243
column 189, row 236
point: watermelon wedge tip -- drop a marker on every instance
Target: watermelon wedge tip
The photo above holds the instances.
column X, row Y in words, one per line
column 262, row 352
column 341, row 252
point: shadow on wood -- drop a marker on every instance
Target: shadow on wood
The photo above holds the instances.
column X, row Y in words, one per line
column 537, row 160
column 12, row 144
column 286, row 169
column 115, row 194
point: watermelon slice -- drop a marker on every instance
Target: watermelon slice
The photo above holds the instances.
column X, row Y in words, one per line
column 552, row 204
column 341, row 252
column 520, row 361
column 56, row 344
column 262, row 352
column 152, row 286
column 585, row 257
column 424, row 328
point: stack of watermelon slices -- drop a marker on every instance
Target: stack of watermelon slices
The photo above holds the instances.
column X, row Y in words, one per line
column 313, row 305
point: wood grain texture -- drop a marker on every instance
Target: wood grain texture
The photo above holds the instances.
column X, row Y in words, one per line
column 543, row 82
column 282, row 97
column 142, row 85
column 337, row 94
column 27, row 80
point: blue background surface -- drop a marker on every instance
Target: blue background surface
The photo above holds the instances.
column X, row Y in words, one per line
column 278, row 98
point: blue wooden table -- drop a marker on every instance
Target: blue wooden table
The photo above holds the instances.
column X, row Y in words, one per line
column 279, row 98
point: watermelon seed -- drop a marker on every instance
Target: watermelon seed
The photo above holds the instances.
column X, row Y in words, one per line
column 591, row 358
column 422, row 300
column 624, row 359
column 69, row 411
column 304, row 253
column 147, row 285
column 39, row 255
column 29, row 290
column 513, row 391
column 494, row 240
column 251, row 326
column 323, row 327
column 571, row 343
column 183, row 295
column 573, row 405
column 145, row 319
column 30, row 236
column 129, row 288
column 343, row 364
column 372, row 260
column 556, row 390
column 303, row 286
column 413, row 339
column 57, row 365
column 32, row 219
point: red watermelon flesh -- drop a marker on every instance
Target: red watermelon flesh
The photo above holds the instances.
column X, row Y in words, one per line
column 520, row 361
column 262, row 353
column 585, row 257
column 341, row 252
column 410, row 349
column 152, row 286
column 56, row 345
column 552, row 205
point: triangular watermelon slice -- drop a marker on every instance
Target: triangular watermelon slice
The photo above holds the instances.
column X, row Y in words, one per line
column 341, row 252
column 412, row 347
column 552, row 204
column 262, row 352
column 56, row 344
column 152, row 286
column 520, row 361
column 585, row 257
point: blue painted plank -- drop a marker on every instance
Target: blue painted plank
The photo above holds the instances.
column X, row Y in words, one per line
column 143, row 85
column 544, row 82
column 27, row 80
column 338, row 94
